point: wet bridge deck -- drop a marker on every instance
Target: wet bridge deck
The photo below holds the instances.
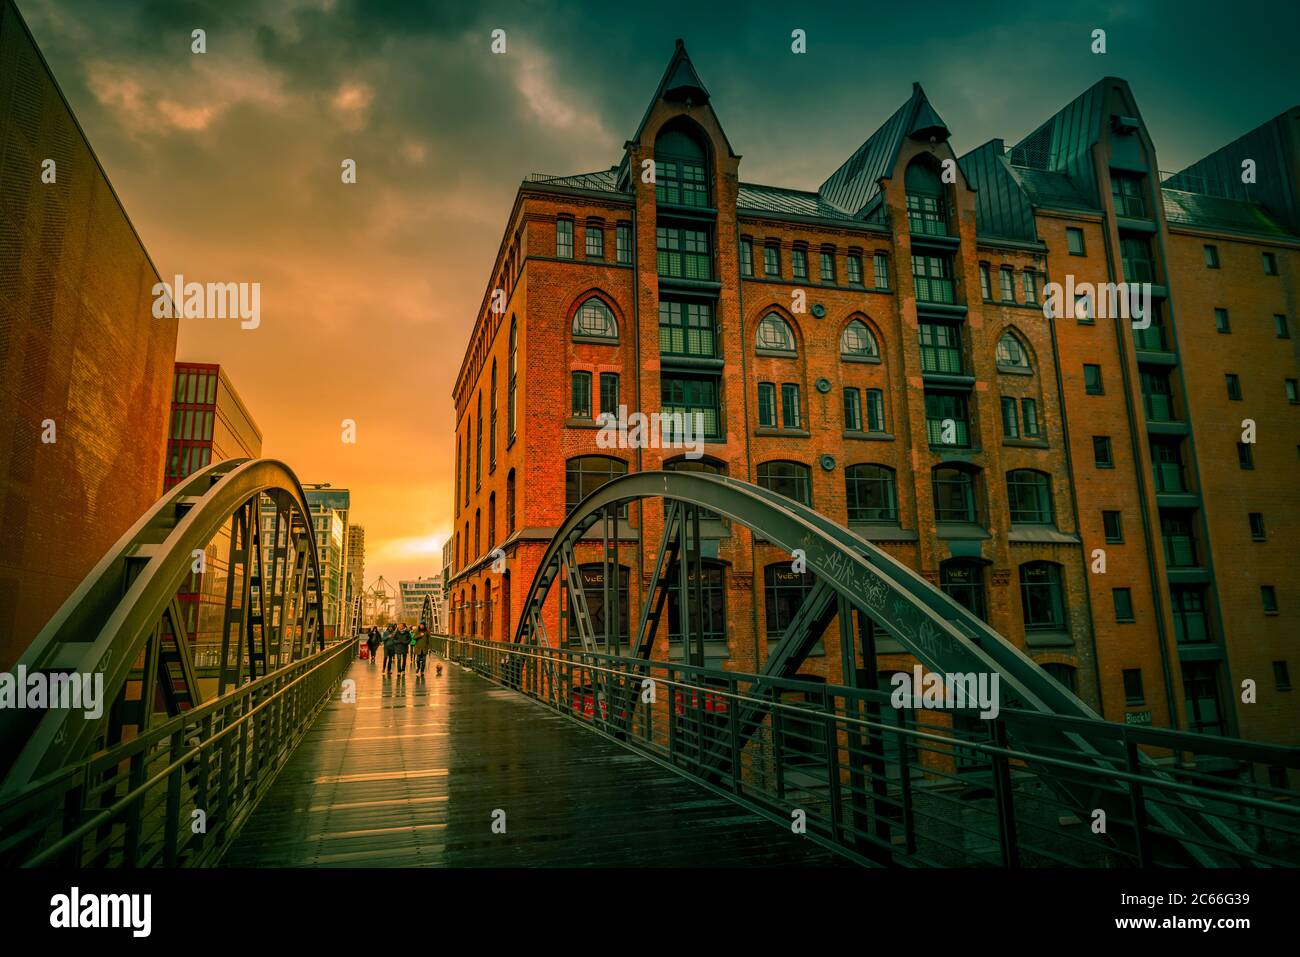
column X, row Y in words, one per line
column 412, row 773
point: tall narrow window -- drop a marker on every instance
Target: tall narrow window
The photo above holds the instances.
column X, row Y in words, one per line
column 790, row 405
column 1010, row 420
column 875, row 410
column 986, row 285
column 492, row 421
column 852, row 410
column 880, row 263
column 510, row 502
column 1031, row 286
column 581, row 395
column 767, row 404
column 511, row 383
column 771, row 260
column 595, row 239
column 478, row 443
column 826, row 262
column 564, row 238
column 1007, row 281
column 609, row 394
column 747, row 257
column 855, row 269
column 623, row 243
column 799, row 263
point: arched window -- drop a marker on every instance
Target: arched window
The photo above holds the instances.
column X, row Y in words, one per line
column 1029, row 494
column 586, row 473
column 791, row 479
column 775, row 335
column 592, row 576
column 492, row 521
column 1041, row 598
column 927, row 211
column 473, row 609
column 954, row 494
column 507, row 626
column 857, row 342
column 478, row 443
column 1062, row 673
column 492, row 421
column 872, row 493
column 962, row 580
column 783, row 592
column 510, row 503
column 1012, row 353
column 712, row 618
column 595, row 320
column 681, row 169
column 465, row 539
column 478, row 527
column 514, row 372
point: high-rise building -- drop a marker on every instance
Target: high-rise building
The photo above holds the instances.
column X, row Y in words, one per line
column 85, row 368
column 209, row 422
column 1115, row 494
column 356, row 565
column 330, row 508
column 413, row 592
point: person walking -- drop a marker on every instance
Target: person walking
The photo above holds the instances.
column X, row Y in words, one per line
column 421, row 648
column 403, row 647
column 372, row 642
column 390, row 648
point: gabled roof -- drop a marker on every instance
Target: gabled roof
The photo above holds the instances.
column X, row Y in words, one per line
column 1063, row 144
column 680, row 84
column 854, row 188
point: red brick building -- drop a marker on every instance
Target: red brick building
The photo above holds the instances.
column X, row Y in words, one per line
column 85, row 368
column 878, row 348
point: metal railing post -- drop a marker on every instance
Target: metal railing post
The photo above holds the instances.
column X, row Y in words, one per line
column 1004, row 798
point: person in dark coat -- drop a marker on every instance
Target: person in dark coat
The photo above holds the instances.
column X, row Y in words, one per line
column 372, row 642
column 390, row 648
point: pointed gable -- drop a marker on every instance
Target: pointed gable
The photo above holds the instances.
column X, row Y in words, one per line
column 1064, row 143
column 855, row 186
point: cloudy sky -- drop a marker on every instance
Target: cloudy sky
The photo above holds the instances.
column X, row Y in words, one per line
column 228, row 162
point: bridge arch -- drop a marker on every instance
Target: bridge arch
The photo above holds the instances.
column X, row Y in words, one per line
column 126, row 610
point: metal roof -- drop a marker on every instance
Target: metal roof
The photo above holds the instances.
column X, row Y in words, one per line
column 605, row 180
column 1196, row 209
column 1002, row 205
column 855, row 186
column 774, row 199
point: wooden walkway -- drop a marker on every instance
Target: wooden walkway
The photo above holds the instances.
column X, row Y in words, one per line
column 411, row 774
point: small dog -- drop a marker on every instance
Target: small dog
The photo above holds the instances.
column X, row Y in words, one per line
column 437, row 671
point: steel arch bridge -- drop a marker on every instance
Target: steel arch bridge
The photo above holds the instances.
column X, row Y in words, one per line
column 854, row 580
column 126, row 623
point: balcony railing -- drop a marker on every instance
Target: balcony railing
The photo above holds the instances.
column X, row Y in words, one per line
column 943, row 359
column 1169, row 477
column 961, row 433
column 927, row 223
column 1180, row 551
column 1150, row 339
column 1139, row 270
column 934, row 289
column 696, row 343
column 1159, row 408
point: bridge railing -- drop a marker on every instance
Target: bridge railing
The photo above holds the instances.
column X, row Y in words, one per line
column 924, row 787
column 176, row 795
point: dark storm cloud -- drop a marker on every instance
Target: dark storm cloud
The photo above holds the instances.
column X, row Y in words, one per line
column 228, row 163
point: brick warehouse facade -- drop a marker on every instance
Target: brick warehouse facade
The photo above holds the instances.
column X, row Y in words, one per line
column 78, row 345
column 1073, row 481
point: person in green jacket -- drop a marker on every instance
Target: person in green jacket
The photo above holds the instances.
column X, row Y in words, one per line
column 421, row 648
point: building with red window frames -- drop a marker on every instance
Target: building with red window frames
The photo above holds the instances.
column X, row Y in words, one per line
column 878, row 348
